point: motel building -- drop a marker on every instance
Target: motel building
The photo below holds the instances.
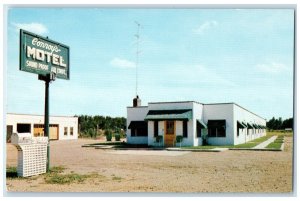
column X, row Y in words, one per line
column 218, row 124
column 60, row 127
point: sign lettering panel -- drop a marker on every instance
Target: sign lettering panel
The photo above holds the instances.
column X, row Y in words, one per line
column 42, row 56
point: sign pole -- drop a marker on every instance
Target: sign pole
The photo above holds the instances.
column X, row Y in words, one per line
column 46, row 126
column 47, row 78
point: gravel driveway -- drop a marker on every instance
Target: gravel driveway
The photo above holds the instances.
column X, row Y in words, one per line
column 228, row 171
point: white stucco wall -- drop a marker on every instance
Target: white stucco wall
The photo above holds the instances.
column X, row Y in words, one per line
column 61, row 121
column 136, row 114
column 197, row 114
column 219, row 112
column 243, row 115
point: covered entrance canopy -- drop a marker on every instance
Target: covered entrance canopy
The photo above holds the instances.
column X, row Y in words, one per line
column 169, row 115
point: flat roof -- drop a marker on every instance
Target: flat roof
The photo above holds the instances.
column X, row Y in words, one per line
column 136, row 107
column 176, row 102
column 43, row 115
column 201, row 104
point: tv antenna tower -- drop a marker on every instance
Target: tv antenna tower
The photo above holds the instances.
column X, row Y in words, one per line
column 137, row 35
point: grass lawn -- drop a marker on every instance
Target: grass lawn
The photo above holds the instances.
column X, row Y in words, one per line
column 246, row 145
column 119, row 145
column 278, row 142
column 280, row 133
column 252, row 143
column 274, row 145
column 201, row 147
column 261, row 139
column 108, row 143
column 56, row 175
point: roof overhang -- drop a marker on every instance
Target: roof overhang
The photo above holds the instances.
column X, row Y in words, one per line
column 137, row 124
column 169, row 115
column 216, row 123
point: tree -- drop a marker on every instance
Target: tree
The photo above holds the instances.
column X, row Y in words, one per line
column 288, row 123
column 87, row 123
column 277, row 124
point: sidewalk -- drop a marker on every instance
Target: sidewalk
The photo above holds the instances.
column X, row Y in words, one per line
column 265, row 143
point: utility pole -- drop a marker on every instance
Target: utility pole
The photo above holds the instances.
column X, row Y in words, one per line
column 137, row 35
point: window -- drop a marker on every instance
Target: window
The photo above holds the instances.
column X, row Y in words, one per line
column 212, row 132
column 139, row 132
column 221, row 132
column 71, row 130
column 66, row 131
column 24, row 128
column 38, row 130
column 138, row 128
column 170, row 127
column 155, row 128
column 185, row 129
column 216, row 128
column 198, row 130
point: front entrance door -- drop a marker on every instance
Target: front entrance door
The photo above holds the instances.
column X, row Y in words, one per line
column 169, row 133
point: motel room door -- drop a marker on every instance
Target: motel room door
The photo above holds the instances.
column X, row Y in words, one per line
column 169, row 133
column 39, row 131
column 53, row 130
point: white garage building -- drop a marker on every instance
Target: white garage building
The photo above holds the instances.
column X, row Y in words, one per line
column 217, row 124
column 60, row 127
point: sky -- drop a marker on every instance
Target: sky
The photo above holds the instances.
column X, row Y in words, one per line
column 205, row 55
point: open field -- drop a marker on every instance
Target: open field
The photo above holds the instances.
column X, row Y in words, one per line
column 95, row 170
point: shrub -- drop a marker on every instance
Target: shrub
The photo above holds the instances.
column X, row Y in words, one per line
column 117, row 137
column 179, row 138
column 108, row 134
column 92, row 133
column 159, row 138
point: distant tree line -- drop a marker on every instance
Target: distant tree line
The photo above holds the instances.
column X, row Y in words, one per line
column 279, row 124
column 96, row 125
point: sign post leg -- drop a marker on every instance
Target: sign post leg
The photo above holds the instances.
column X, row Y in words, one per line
column 46, row 122
column 47, row 78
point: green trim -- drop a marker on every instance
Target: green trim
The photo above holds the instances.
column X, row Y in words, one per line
column 137, row 124
column 169, row 115
column 241, row 125
column 245, row 124
column 250, row 125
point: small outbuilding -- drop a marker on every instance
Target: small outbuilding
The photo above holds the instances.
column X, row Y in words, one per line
column 60, row 127
column 192, row 123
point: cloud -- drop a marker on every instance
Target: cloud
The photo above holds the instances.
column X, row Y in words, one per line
column 205, row 26
column 34, row 27
column 122, row 63
column 272, row 67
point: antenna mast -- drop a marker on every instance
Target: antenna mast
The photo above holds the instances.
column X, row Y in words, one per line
column 137, row 56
